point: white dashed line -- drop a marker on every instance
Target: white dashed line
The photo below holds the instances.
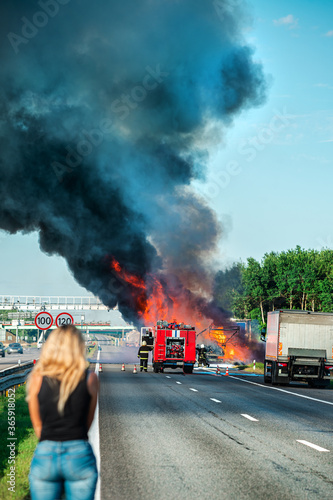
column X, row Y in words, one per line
column 167, row 376
column 194, row 390
column 215, row 400
column 311, row 445
column 179, row 383
column 249, row 417
column 281, row 390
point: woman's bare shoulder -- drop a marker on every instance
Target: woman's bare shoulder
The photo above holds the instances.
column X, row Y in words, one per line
column 36, row 380
column 92, row 383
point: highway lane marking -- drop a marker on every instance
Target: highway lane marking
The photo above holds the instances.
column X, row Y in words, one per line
column 282, row 390
column 167, row 376
column 311, row 445
column 215, row 400
column 194, row 390
column 178, row 383
column 249, row 417
column 94, row 437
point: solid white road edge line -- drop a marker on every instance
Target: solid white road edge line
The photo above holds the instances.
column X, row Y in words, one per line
column 249, row 417
column 93, row 435
column 194, row 390
column 311, row 445
column 215, row 400
column 282, row 390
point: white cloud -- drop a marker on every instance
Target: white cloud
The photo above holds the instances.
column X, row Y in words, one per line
column 289, row 21
column 323, row 85
column 329, row 33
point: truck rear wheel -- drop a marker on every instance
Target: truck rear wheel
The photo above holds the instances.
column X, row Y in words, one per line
column 267, row 377
column 188, row 369
column 274, row 375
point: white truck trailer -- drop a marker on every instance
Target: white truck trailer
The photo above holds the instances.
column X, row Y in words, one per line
column 299, row 347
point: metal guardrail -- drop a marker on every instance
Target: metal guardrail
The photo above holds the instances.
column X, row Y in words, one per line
column 12, row 380
column 14, row 376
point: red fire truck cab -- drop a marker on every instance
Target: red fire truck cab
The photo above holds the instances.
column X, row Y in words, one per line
column 174, row 345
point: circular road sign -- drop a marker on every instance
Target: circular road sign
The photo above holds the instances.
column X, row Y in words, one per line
column 64, row 319
column 43, row 320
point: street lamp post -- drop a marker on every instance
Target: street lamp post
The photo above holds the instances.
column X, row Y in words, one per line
column 82, row 319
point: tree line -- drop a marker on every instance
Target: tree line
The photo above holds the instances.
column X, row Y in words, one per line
column 292, row 279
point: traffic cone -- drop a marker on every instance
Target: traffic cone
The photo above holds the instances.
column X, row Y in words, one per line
column 123, row 367
column 218, row 370
column 134, row 369
column 227, row 371
column 100, row 369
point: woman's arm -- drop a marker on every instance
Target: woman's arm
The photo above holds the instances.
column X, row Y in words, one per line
column 93, row 386
column 34, row 388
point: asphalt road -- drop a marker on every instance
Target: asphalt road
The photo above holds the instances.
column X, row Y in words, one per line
column 168, row 436
column 29, row 354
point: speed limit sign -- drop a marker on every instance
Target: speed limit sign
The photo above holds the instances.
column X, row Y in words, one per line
column 43, row 320
column 64, row 319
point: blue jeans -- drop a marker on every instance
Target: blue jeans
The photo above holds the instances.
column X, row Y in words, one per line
column 59, row 466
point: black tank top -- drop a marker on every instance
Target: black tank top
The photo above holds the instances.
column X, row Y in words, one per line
column 73, row 424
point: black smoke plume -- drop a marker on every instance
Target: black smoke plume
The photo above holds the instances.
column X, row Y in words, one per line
column 106, row 112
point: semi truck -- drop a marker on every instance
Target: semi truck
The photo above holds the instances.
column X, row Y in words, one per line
column 299, row 347
column 174, row 345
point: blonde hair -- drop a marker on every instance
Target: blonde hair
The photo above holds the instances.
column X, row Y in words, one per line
column 63, row 358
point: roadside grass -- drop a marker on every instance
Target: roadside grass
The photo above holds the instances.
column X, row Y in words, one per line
column 26, row 442
column 91, row 351
column 249, row 368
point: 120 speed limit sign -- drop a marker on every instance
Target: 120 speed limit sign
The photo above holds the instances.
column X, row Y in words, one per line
column 43, row 320
column 64, row 319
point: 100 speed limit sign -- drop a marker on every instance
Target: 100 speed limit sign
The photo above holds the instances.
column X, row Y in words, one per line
column 64, row 319
column 43, row 320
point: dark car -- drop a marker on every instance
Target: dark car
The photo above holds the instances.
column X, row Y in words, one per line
column 15, row 347
column 2, row 350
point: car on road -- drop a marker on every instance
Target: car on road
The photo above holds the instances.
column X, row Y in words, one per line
column 15, row 347
column 2, row 350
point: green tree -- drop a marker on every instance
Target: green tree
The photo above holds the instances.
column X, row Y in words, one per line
column 255, row 285
column 228, row 287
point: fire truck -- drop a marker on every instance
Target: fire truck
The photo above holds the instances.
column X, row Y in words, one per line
column 174, row 345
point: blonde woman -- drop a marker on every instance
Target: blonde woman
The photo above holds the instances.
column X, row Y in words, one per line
column 62, row 397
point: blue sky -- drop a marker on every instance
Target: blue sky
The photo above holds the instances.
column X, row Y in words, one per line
column 280, row 192
column 270, row 179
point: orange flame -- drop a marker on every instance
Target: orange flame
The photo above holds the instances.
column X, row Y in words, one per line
column 231, row 351
column 153, row 304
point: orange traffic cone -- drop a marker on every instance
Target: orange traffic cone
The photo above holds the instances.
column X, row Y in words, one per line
column 123, row 367
column 227, row 371
column 218, row 370
column 100, row 368
column 134, row 369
